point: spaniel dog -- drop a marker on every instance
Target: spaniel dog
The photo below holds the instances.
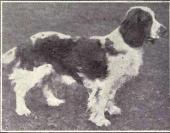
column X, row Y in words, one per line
column 100, row 63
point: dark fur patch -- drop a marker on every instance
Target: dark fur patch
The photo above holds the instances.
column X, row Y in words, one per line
column 66, row 56
column 136, row 27
column 109, row 47
column 27, row 56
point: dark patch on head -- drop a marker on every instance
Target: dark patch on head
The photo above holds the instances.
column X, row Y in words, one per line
column 109, row 47
column 136, row 27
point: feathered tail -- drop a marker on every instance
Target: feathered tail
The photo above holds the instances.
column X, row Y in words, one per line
column 9, row 56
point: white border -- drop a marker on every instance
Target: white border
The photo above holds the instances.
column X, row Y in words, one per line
column 95, row 1
column 74, row 2
column 1, row 71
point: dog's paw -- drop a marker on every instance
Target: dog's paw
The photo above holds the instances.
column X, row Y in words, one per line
column 114, row 110
column 100, row 121
column 23, row 111
column 55, row 102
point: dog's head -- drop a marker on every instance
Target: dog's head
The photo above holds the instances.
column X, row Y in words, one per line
column 140, row 25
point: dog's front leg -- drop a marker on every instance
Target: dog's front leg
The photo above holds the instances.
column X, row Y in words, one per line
column 111, row 105
column 97, row 103
column 21, row 108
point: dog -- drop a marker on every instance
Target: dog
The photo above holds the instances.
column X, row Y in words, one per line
column 102, row 64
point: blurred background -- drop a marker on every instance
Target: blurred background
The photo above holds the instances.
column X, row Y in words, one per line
column 145, row 100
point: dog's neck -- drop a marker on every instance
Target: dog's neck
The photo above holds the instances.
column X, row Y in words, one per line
column 119, row 43
column 117, row 40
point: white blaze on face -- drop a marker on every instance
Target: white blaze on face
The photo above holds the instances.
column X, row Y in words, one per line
column 43, row 35
column 155, row 28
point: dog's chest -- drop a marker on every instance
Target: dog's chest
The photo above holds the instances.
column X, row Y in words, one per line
column 124, row 64
column 120, row 68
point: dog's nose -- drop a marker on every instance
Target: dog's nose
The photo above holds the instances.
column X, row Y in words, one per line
column 163, row 31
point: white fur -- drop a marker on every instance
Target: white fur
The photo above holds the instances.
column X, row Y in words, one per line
column 155, row 29
column 101, row 39
column 112, row 109
column 51, row 99
column 9, row 56
column 121, row 68
column 42, row 35
column 67, row 79
column 24, row 80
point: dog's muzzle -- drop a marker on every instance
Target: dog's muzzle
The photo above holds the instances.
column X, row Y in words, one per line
column 162, row 31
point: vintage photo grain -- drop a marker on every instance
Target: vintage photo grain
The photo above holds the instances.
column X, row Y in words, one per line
column 87, row 66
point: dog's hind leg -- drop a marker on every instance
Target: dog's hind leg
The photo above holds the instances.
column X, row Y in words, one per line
column 21, row 108
column 23, row 83
column 20, row 78
column 51, row 99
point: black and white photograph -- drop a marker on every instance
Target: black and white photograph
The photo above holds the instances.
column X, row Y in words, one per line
column 85, row 66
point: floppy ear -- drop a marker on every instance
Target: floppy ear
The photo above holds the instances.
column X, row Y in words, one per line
column 133, row 28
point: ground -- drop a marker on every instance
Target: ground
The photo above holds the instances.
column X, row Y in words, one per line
column 145, row 100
